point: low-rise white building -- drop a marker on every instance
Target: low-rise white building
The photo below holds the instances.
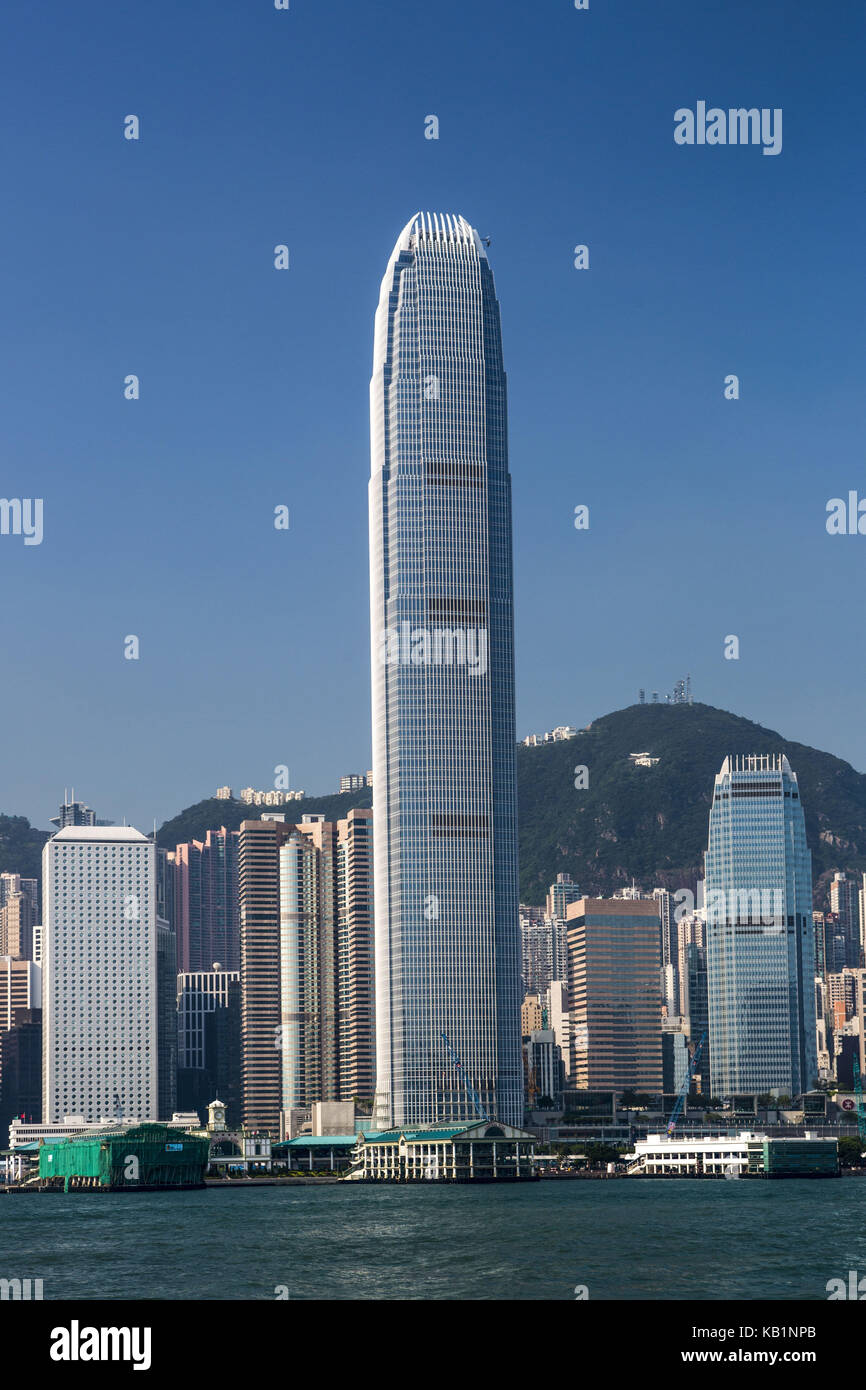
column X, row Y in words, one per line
column 715, row 1153
column 732, row 1155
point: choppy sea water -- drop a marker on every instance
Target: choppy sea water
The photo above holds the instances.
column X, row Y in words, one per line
column 665, row 1239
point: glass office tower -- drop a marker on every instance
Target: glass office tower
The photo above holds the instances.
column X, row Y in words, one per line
column 445, row 823
column 760, row 933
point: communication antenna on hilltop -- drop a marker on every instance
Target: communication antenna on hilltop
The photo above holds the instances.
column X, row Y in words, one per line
column 641, row 697
column 688, row 690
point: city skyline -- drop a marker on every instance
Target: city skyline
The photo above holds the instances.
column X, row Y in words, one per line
column 459, row 871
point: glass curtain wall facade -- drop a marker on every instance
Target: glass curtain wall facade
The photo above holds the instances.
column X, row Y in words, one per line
column 760, row 933
column 445, row 826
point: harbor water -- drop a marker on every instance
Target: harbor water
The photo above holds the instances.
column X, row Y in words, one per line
column 622, row 1239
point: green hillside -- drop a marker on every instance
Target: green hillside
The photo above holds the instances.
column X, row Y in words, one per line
column 649, row 824
column 195, row 821
column 21, row 847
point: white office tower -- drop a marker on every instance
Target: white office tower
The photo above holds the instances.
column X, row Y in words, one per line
column 99, row 974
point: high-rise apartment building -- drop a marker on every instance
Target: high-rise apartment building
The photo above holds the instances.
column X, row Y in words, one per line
column 845, row 903
column 259, row 888
column 99, row 962
column 14, row 883
column 559, row 895
column 543, row 953
column 820, row 925
column 19, row 913
column 670, row 978
column 74, row 812
column 356, row 781
column 691, row 930
column 616, row 1007
column 206, row 902
column 760, row 933
column 444, row 743
column 355, row 963
column 842, row 989
column 307, row 1005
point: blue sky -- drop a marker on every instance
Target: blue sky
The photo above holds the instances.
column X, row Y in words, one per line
column 306, row 127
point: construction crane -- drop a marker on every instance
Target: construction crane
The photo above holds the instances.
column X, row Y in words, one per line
column 684, row 1089
column 861, row 1109
column 473, row 1095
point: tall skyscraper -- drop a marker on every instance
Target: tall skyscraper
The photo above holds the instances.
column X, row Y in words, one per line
column 166, row 986
column 616, row 1006
column 259, row 880
column 206, row 910
column 209, row 1041
column 670, row 977
column 695, row 1008
column 99, row 964
column 445, row 826
column 760, row 933
column 166, row 1019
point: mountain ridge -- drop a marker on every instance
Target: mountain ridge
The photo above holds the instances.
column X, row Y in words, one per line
column 643, row 823
column 646, row 823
